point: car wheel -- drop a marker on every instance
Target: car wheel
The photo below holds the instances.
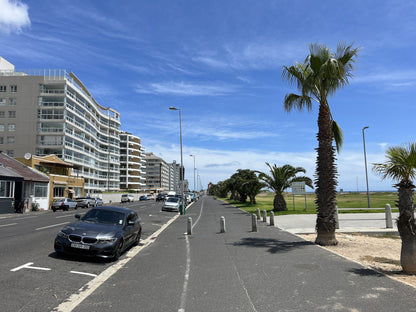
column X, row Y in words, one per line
column 118, row 250
column 54, row 209
column 88, row 205
column 137, row 240
column 66, row 208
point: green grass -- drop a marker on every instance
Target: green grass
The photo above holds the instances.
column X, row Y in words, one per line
column 344, row 200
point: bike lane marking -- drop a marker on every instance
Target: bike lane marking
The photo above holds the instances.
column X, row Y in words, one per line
column 29, row 266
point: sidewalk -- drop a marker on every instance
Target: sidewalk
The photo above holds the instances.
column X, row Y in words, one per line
column 240, row 270
column 348, row 223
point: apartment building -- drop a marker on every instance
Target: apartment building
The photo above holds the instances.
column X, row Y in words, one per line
column 157, row 173
column 132, row 162
column 45, row 112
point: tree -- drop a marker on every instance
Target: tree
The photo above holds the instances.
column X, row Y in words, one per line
column 280, row 179
column 318, row 77
column 400, row 166
column 253, row 188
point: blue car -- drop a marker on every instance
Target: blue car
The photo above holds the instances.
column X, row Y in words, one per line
column 142, row 197
column 104, row 232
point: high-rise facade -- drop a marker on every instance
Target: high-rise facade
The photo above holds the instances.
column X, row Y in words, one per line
column 132, row 162
column 157, row 173
column 45, row 112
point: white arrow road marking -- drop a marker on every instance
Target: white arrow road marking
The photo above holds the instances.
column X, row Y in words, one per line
column 28, row 266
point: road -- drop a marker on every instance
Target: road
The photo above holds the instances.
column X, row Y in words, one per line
column 32, row 277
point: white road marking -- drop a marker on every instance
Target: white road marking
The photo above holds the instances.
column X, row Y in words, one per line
column 83, row 273
column 75, row 299
column 28, row 266
column 186, row 278
column 64, row 216
column 3, row 225
column 49, row 226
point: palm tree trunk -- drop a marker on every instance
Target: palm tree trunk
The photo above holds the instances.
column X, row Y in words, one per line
column 325, row 180
column 407, row 227
column 279, row 203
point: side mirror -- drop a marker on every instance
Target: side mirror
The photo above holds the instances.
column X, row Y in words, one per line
column 78, row 216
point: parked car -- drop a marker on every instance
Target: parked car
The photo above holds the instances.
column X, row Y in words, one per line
column 143, row 197
column 150, row 196
column 64, row 204
column 160, row 197
column 126, row 198
column 171, row 204
column 98, row 201
column 102, row 232
column 85, row 202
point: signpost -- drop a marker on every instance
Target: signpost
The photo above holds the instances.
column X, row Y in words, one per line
column 298, row 188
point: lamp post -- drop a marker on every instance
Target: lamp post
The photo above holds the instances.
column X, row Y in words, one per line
column 194, row 172
column 365, row 162
column 182, row 209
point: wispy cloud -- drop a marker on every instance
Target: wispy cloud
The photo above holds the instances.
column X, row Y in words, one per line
column 393, row 79
column 13, row 16
column 186, row 89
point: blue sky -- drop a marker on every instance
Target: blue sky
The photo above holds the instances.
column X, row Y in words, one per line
column 221, row 63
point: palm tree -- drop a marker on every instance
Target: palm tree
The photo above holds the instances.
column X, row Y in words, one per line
column 280, row 179
column 318, row 77
column 401, row 167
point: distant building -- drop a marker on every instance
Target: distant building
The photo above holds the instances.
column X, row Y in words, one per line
column 132, row 162
column 44, row 112
column 157, row 173
column 62, row 182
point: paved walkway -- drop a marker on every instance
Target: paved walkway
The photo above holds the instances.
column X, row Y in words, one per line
column 240, row 270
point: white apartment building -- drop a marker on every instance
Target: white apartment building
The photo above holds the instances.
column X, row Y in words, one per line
column 157, row 173
column 132, row 162
column 46, row 112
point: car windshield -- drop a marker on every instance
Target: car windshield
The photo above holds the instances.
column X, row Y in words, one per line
column 104, row 216
column 172, row 200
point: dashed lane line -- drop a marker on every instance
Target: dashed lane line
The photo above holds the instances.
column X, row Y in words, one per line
column 10, row 224
column 49, row 226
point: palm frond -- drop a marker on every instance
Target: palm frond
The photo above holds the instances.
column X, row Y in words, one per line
column 338, row 135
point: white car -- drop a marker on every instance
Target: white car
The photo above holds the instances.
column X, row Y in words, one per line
column 126, row 198
column 150, row 196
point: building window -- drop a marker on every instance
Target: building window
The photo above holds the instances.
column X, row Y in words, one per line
column 6, row 189
column 58, row 191
column 2, row 114
column 10, row 139
column 12, row 101
column 10, row 153
column 3, row 88
column 2, row 101
column 11, row 127
column 13, row 88
column 12, row 114
column 1, row 140
column 1, row 128
column 41, row 190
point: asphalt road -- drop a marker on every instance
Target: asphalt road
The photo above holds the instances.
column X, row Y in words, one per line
column 32, row 278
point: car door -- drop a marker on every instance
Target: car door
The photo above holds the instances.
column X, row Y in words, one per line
column 131, row 226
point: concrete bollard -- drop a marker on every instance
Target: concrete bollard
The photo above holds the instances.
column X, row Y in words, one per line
column 253, row 223
column 222, row 225
column 264, row 216
column 258, row 214
column 189, row 226
column 389, row 221
column 271, row 218
column 336, row 218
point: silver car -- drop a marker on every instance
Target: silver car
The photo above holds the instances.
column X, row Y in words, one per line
column 171, row 204
column 64, row 204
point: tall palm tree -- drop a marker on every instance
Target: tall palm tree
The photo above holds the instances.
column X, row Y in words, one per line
column 280, row 179
column 318, row 77
column 401, row 167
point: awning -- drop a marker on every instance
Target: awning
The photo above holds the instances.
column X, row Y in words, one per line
column 59, row 183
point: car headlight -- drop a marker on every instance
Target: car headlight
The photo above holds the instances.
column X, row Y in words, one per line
column 106, row 239
column 62, row 234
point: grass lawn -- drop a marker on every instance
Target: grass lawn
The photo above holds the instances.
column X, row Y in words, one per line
column 344, row 200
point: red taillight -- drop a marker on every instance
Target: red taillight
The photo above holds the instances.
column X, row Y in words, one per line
column 62, row 204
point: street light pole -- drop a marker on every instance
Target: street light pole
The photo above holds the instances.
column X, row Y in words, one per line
column 194, row 172
column 365, row 162
column 181, row 173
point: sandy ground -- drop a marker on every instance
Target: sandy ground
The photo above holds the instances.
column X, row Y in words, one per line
column 376, row 252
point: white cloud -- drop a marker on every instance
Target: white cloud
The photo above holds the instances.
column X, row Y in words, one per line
column 392, row 79
column 186, row 89
column 13, row 16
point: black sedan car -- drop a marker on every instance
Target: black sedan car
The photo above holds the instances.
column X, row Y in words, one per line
column 102, row 232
